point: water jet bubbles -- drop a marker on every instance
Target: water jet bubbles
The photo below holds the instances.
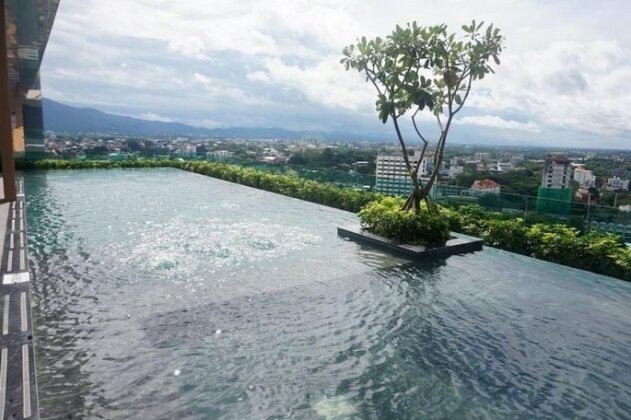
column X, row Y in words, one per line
column 336, row 407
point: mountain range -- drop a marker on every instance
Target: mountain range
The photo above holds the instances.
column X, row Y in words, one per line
column 62, row 118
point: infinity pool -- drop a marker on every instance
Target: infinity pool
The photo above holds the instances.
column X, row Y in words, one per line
column 163, row 294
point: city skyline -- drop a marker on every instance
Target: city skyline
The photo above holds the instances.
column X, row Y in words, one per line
column 276, row 65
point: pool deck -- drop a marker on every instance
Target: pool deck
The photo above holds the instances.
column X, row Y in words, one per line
column 18, row 384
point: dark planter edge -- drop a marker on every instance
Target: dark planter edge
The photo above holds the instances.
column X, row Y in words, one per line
column 459, row 244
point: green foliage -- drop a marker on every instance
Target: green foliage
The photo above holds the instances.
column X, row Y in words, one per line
column 521, row 181
column 418, row 67
column 602, row 253
column 329, row 195
column 96, row 164
column 385, row 218
column 597, row 252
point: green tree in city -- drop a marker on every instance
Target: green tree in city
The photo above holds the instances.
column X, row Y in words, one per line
column 417, row 69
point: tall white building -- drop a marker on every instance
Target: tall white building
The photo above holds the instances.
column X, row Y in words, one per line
column 616, row 184
column 218, row 155
column 454, row 171
column 392, row 175
column 479, row 156
column 557, row 172
column 584, row 177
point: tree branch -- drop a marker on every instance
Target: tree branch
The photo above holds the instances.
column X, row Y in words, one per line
column 372, row 79
column 440, row 123
column 466, row 95
column 405, row 76
column 406, row 158
column 425, row 142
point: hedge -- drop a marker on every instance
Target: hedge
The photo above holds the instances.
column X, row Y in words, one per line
column 329, row 195
column 603, row 253
column 597, row 252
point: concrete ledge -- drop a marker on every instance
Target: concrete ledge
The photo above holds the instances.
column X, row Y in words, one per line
column 459, row 244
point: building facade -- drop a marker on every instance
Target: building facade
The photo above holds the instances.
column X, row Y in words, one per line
column 555, row 195
column 557, row 172
column 486, row 186
column 617, row 184
column 584, row 177
column 391, row 175
column 480, row 156
column 26, row 26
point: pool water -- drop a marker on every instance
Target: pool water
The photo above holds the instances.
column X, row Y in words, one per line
column 160, row 293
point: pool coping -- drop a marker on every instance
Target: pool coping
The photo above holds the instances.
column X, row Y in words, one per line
column 458, row 244
column 18, row 380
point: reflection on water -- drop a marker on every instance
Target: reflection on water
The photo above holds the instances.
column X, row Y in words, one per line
column 163, row 294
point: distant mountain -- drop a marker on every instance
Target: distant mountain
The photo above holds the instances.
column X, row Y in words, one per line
column 72, row 120
column 67, row 119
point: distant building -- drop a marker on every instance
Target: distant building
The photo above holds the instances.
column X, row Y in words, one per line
column 617, row 184
column 189, row 151
column 583, row 194
column 218, row 155
column 554, row 195
column 117, row 156
column 454, row 171
column 584, row 177
column 479, row 157
column 500, row 167
column 274, row 160
column 391, row 175
column 486, row 186
column 556, row 173
column 360, row 164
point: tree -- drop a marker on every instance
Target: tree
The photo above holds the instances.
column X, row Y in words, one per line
column 424, row 68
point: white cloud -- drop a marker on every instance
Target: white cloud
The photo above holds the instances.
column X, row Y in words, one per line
column 192, row 47
column 219, row 89
column 569, row 85
column 200, row 78
column 498, row 122
column 565, row 66
column 208, row 123
column 325, row 83
column 155, row 117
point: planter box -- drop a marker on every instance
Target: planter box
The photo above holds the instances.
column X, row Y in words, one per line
column 459, row 244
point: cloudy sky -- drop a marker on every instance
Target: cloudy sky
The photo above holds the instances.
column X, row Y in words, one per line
column 565, row 76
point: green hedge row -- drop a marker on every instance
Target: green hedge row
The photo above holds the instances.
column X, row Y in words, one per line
column 97, row 164
column 602, row 253
column 329, row 195
column 597, row 252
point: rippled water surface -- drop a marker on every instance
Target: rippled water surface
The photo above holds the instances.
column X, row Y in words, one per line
column 163, row 294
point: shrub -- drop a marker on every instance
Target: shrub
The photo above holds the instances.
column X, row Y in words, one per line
column 385, row 218
column 602, row 253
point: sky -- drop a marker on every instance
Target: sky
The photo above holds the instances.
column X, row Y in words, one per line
column 564, row 80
